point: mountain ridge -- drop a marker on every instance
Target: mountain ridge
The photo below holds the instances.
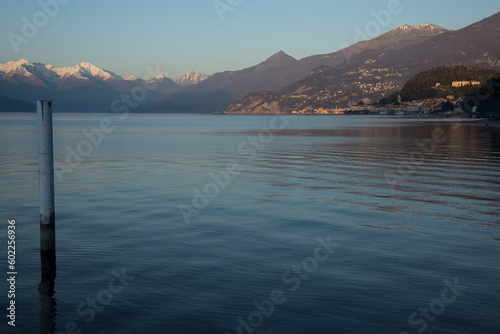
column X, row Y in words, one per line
column 83, row 70
column 190, row 78
column 472, row 45
column 276, row 72
column 13, row 105
column 81, row 87
column 380, row 65
column 376, row 72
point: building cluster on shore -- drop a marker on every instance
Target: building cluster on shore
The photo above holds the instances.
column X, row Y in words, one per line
column 414, row 107
column 486, row 105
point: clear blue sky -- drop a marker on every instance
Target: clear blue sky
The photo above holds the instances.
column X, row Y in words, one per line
column 126, row 36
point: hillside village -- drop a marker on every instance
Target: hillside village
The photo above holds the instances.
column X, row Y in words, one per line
column 428, row 106
column 449, row 105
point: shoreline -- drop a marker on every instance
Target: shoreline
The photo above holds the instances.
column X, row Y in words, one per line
column 419, row 118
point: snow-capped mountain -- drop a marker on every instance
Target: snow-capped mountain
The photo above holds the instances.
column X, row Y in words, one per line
column 403, row 51
column 98, row 87
column 423, row 30
column 190, row 78
column 402, row 36
column 22, row 71
column 85, row 74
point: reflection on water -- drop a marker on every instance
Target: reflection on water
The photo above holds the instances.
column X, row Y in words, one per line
column 444, row 171
column 46, row 289
column 320, row 176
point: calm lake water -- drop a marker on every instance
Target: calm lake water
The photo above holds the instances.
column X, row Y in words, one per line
column 220, row 224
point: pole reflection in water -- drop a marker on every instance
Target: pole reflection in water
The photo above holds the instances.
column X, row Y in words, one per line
column 46, row 289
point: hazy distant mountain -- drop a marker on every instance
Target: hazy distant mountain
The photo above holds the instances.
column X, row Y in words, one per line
column 219, row 90
column 190, row 78
column 13, row 105
column 164, row 86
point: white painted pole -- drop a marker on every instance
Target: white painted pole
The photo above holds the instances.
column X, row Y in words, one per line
column 46, row 177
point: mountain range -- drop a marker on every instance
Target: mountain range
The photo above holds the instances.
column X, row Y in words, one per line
column 366, row 70
column 281, row 70
column 81, row 88
column 373, row 69
column 189, row 79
